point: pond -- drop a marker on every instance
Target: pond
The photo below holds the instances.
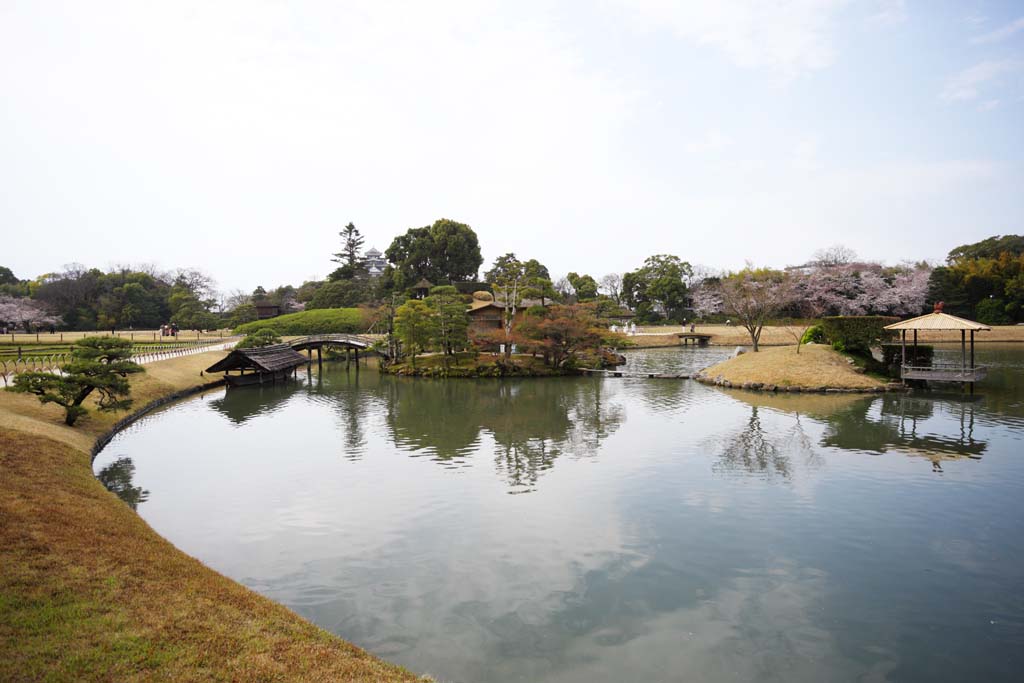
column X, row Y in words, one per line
column 589, row 529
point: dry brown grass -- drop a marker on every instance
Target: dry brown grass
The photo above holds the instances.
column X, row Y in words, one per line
column 88, row 591
column 722, row 335
column 816, row 365
column 785, row 335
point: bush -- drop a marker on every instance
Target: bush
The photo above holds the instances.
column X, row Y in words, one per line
column 319, row 321
column 814, row 335
column 857, row 333
column 341, row 294
column 264, row 336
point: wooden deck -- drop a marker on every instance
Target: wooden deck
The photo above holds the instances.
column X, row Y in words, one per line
column 946, row 373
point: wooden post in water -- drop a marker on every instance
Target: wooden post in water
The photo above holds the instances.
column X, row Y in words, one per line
column 319, row 359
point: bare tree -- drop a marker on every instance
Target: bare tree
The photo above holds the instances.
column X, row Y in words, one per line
column 611, row 284
column 836, row 255
column 564, row 288
column 754, row 296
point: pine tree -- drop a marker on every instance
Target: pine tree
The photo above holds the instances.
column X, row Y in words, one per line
column 100, row 364
column 350, row 255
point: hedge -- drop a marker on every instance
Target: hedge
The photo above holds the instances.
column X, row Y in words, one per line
column 857, row 333
column 318, row 321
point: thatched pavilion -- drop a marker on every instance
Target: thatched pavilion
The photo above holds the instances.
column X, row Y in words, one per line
column 966, row 372
column 258, row 365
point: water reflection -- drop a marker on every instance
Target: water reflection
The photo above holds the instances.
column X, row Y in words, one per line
column 531, row 423
column 117, row 477
column 671, row 528
column 908, row 425
column 934, row 427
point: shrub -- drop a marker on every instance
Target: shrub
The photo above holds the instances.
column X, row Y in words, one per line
column 264, row 336
column 857, row 333
column 319, row 321
column 814, row 334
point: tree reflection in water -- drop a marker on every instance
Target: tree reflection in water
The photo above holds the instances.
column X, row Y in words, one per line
column 912, row 425
column 532, row 423
column 752, row 449
column 117, row 477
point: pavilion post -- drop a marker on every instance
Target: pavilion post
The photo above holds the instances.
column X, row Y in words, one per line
column 914, row 359
column 963, row 351
column 903, row 354
column 973, row 373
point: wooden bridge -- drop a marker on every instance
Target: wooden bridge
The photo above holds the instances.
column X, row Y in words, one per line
column 350, row 342
column 698, row 338
column 633, row 373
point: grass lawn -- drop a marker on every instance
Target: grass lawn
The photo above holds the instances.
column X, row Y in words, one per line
column 785, row 335
column 88, row 591
column 817, row 365
column 150, row 336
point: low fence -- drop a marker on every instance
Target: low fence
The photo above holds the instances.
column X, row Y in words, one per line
column 132, row 335
column 141, row 354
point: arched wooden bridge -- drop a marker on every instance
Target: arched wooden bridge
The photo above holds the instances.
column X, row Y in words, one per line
column 353, row 342
column 362, row 342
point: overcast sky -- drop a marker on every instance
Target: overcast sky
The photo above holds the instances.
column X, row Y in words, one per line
column 240, row 137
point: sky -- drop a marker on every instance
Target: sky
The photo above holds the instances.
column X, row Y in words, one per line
column 240, row 137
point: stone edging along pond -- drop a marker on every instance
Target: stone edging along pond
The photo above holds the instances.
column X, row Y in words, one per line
column 719, row 381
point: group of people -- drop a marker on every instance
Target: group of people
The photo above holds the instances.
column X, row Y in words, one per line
column 628, row 329
column 170, row 330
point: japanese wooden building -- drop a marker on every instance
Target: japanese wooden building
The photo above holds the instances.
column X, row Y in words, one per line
column 259, row 365
column 966, row 371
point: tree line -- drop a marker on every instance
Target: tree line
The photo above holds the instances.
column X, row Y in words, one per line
column 983, row 280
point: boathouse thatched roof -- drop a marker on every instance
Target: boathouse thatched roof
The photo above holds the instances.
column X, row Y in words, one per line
column 273, row 358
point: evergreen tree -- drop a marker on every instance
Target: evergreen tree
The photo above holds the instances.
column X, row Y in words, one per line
column 451, row 323
column 350, row 255
column 100, row 364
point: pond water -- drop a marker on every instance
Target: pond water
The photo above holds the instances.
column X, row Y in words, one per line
column 589, row 529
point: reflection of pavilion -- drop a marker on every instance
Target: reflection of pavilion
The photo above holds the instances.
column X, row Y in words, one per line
column 888, row 423
column 898, row 423
column 241, row 404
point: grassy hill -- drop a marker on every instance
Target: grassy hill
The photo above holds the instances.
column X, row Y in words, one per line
column 317, row 321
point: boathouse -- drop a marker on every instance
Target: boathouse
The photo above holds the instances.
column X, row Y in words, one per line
column 258, row 365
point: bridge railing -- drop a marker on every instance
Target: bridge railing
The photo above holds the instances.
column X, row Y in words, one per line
column 358, row 341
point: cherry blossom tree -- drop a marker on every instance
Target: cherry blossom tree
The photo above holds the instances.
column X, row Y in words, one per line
column 25, row 312
column 754, row 296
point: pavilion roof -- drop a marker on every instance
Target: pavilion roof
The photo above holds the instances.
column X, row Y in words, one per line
column 263, row 359
column 937, row 321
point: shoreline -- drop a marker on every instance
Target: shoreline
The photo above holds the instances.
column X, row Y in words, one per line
column 816, row 369
column 91, row 592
